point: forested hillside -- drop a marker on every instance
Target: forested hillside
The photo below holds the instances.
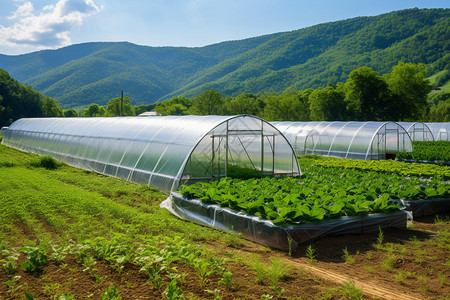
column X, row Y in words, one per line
column 307, row 58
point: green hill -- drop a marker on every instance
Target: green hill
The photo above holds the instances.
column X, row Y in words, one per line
column 305, row 58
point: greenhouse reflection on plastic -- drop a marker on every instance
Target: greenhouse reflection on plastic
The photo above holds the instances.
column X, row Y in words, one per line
column 160, row 151
column 441, row 131
column 358, row 140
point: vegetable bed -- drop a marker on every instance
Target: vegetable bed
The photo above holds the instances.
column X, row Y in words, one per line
column 438, row 151
column 322, row 194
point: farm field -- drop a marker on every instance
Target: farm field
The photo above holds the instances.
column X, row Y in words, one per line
column 67, row 233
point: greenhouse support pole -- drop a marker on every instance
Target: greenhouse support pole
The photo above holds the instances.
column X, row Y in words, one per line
column 262, row 149
column 226, row 153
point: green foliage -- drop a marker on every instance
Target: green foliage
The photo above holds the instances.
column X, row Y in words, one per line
column 386, row 166
column 432, row 151
column 50, row 108
column 70, row 113
column 94, row 110
column 17, row 100
column 117, row 108
column 46, row 162
column 323, row 193
column 36, row 259
column 235, row 171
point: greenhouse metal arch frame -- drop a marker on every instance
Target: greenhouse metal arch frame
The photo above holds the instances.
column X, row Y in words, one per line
column 160, row 151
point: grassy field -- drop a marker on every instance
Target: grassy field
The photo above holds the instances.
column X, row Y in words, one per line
column 67, row 233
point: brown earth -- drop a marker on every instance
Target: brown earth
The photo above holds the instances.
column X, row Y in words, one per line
column 419, row 269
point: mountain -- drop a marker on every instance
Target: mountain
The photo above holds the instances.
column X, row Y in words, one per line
column 87, row 73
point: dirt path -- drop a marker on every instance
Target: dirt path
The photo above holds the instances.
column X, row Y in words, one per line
column 367, row 289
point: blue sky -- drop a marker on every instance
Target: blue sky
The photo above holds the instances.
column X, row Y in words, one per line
column 32, row 25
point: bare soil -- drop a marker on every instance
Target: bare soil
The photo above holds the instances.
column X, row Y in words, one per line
column 410, row 264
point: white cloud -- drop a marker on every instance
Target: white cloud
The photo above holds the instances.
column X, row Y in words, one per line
column 47, row 28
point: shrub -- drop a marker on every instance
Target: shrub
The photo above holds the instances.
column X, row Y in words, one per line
column 46, row 162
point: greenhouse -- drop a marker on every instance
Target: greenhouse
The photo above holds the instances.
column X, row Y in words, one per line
column 418, row 131
column 160, row 151
column 359, row 140
column 441, row 131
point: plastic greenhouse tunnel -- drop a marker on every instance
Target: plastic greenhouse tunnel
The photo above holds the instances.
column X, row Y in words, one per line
column 441, row 131
column 160, row 151
column 357, row 140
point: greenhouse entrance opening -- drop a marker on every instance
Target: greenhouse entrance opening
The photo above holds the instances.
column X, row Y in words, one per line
column 238, row 153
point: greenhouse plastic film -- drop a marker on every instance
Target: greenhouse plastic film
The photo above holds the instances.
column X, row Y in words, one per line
column 265, row 232
column 423, row 208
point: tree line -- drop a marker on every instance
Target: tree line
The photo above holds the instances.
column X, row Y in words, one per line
column 401, row 95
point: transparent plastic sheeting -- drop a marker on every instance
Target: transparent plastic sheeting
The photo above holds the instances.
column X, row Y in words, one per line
column 160, row 151
column 418, row 131
column 441, row 131
column 265, row 232
column 357, row 140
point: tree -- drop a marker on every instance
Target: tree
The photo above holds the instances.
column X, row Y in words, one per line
column 367, row 95
column 176, row 106
column 209, row 102
column 327, row 104
column 94, row 110
column 244, row 104
column 70, row 113
column 114, row 106
column 410, row 89
column 50, row 108
column 289, row 106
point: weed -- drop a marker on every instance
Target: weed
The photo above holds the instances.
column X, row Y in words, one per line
column 215, row 293
column 9, row 264
column 442, row 278
column 173, row 291
column 369, row 255
column 277, row 290
column 260, row 270
column 13, row 287
column 226, row 279
column 347, row 257
column 36, row 259
column 349, row 291
column 266, row 297
column 50, row 289
column 389, row 261
column 112, row 293
column 28, row 296
column 370, row 269
column 290, row 241
column 278, row 270
column 423, row 281
column 441, row 220
column 310, row 253
column 380, row 239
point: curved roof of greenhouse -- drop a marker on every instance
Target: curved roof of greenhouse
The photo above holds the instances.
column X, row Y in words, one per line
column 441, row 131
column 418, row 131
column 161, row 151
column 362, row 140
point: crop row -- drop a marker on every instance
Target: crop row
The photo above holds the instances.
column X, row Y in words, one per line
column 430, row 151
column 387, row 166
column 322, row 193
